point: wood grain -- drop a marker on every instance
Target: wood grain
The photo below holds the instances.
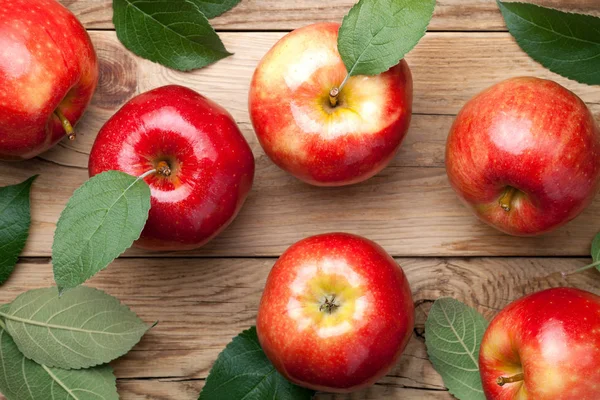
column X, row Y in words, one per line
column 201, row 304
column 261, row 15
column 409, row 208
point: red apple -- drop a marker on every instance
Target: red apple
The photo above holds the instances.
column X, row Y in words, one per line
column 323, row 141
column 336, row 313
column 524, row 155
column 545, row 346
column 48, row 74
column 204, row 166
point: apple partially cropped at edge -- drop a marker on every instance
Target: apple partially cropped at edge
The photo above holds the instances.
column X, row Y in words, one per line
column 204, row 166
column 48, row 74
column 336, row 313
column 524, row 155
column 545, row 346
column 322, row 140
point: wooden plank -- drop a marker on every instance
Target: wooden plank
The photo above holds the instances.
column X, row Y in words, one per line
column 202, row 303
column 410, row 206
column 262, row 15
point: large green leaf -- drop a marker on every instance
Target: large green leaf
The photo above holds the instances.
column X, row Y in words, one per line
column 214, row 8
column 565, row 43
column 453, row 334
column 376, row 34
column 173, row 33
column 15, row 219
column 83, row 328
column 102, row 219
column 23, row 379
column 243, row 371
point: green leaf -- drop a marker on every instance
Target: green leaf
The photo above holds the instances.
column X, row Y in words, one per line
column 102, row 220
column 173, row 33
column 376, row 34
column 596, row 250
column 214, row 8
column 565, row 43
column 243, row 371
column 83, row 328
column 453, row 334
column 15, row 219
column 23, row 379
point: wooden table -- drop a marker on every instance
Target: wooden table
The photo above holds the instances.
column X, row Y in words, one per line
column 204, row 298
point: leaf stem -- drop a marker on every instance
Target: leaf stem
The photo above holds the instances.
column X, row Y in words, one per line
column 2, row 325
column 145, row 174
column 582, row 269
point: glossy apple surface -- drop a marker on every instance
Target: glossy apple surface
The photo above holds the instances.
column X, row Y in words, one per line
column 303, row 133
column 48, row 67
column 524, row 155
column 205, row 167
column 336, row 313
column 548, row 343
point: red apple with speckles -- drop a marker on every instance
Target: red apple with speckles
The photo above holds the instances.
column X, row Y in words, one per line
column 307, row 133
column 48, row 74
column 336, row 313
column 524, row 156
column 545, row 346
column 204, row 166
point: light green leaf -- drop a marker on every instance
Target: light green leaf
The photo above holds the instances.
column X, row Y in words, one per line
column 565, row 43
column 376, row 34
column 15, row 219
column 214, row 8
column 173, row 33
column 243, row 371
column 23, row 379
column 83, row 328
column 453, row 334
column 102, row 219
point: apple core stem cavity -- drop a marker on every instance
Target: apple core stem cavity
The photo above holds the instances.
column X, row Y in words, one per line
column 502, row 380
column 507, row 198
column 329, row 304
column 66, row 124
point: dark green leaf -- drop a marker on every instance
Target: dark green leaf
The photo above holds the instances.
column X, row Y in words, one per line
column 243, row 371
column 15, row 219
column 173, row 33
column 83, row 328
column 102, row 219
column 23, row 379
column 376, row 34
column 453, row 334
column 596, row 250
column 565, row 43
column 214, row 8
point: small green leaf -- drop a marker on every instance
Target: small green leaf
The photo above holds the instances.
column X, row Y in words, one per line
column 565, row 43
column 173, row 33
column 376, row 34
column 596, row 250
column 214, row 8
column 23, row 379
column 453, row 334
column 102, row 220
column 15, row 219
column 243, row 371
column 83, row 328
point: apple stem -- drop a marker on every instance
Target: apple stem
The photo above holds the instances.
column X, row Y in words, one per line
column 66, row 124
column 578, row 270
column 333, row 96
column 506, row 199
column 502, row 380
column 163, row 169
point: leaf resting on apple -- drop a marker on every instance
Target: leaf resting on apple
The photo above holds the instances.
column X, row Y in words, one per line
column 102, row 220
column 250, row 376
column 453, row 334
column 565, row 43
column 15, row 219
column 377, row 34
